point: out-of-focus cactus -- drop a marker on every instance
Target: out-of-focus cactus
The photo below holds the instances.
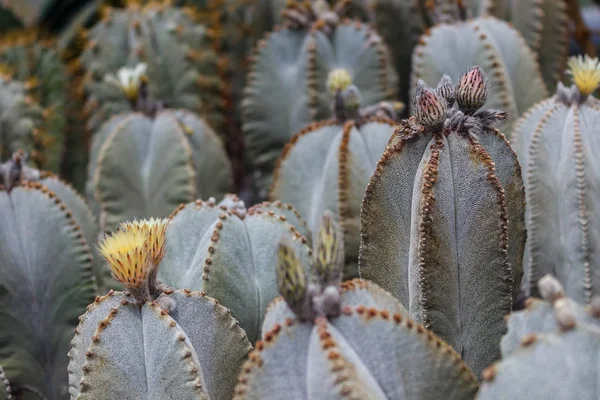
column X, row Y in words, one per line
column 352, row 340
column 514, row 75
column 229, row 253
column 557, row 147
column 152, row 341
column 146, row 165
column 558, row 332
column 442, row 224
column 46, row 278
column 182, row 68
column 292, row 64
column 34, row 60
column 5, row 392
column 328, row 164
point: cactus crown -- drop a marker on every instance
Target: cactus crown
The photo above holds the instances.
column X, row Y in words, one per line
column 585, row 72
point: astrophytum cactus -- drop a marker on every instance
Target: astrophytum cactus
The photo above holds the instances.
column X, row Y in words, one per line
column 151, row 341
column 229, row 253
column 514, row 75
column 558, row 332
column 46, row 278
column 144, row 165
column 352, row 340
column 328, row 164
column 557, row 147
column 442, row 224
column 293, row 64
column 182, row 68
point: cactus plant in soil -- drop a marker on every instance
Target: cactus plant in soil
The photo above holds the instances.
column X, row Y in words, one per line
column 229, row 252
column 327, row 165
column 449, row 190
column 556, row 145
column 325, row 339
column 293, row 63
column 555, row 331
column 151, row 341
column 46, row 277
column 147, row 162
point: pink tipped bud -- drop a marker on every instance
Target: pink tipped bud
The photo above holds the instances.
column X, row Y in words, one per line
column 445, row 89
column 430, row 109
column 471, row 92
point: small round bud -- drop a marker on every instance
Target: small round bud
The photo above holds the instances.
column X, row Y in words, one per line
column 471, row 91
column 430, row 109
column 338, row 79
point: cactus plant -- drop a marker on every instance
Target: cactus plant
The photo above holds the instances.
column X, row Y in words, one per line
column 35, row 61
column 146, row 165
column 5, row 392
column 152, row 341
column 46, row 278
column 327, row 165
column 293, row 63
column 556, row 145
column 182, row 67
column 228, row 252
column 557, row 329
column 515, row 77
column 442, row 224
column 352, row 340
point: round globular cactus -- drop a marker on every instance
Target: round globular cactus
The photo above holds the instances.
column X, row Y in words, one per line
column 442, row 223
column 555, row 331
column 46, row 277
column 325, row 339
column 146, row 165
column 557, row 147
column 327, row 165
column 294, row 63
column 173, row 343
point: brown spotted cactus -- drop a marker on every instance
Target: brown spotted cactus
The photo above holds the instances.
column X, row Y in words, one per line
column 551, row 350
column 152, row 341
column 328, row 164
column 329, row 340
column 442, row 223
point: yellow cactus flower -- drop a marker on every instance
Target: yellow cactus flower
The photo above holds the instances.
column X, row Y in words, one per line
column 338, row 79
column 155, row 229
column 585, row 72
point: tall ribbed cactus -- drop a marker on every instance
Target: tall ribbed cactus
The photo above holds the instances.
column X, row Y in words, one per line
column 328, row 164
column 514, row 75
column 143, row 166
column 551, row 350
column 292, row 63
column 352, row 340
column 557, row 147
column 442, row 223
column 151, row 341
column 182, row 66
column 46, row 278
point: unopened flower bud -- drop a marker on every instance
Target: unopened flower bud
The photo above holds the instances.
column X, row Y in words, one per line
column 471, row 91
column 445, row 89
column 430, row 109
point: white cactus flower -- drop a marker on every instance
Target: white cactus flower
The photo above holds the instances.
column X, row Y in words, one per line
column 128, row 79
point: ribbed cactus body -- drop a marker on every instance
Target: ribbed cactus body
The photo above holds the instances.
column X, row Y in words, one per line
column 182, row 66
column 373, row 350
column 46, row 280
column 145, row 167
column 230, row 254
column 557, row 147
column 122, row 350
column 293, row 65
column 442, row 224
column 327, row 166
column 514, row 75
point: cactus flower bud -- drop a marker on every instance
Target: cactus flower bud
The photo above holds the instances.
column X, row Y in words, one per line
column 445, row 89
column 430, row 109
column 471, row 91
column 290, row 276
column 329, row 251
column 585, row 72
column 338, row 79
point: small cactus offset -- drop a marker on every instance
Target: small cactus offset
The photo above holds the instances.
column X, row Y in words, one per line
column 442, row 223
column 557, row 147
column 229, row 252
column 327, row 165
column 293, row 64
column 556, row 332
column 330, row 340
column 152, row 341
column 46, row 277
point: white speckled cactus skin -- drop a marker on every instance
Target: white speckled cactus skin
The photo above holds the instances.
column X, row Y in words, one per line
column 5, row 392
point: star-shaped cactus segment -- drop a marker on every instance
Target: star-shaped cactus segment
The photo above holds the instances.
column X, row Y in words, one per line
column 585, row 72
